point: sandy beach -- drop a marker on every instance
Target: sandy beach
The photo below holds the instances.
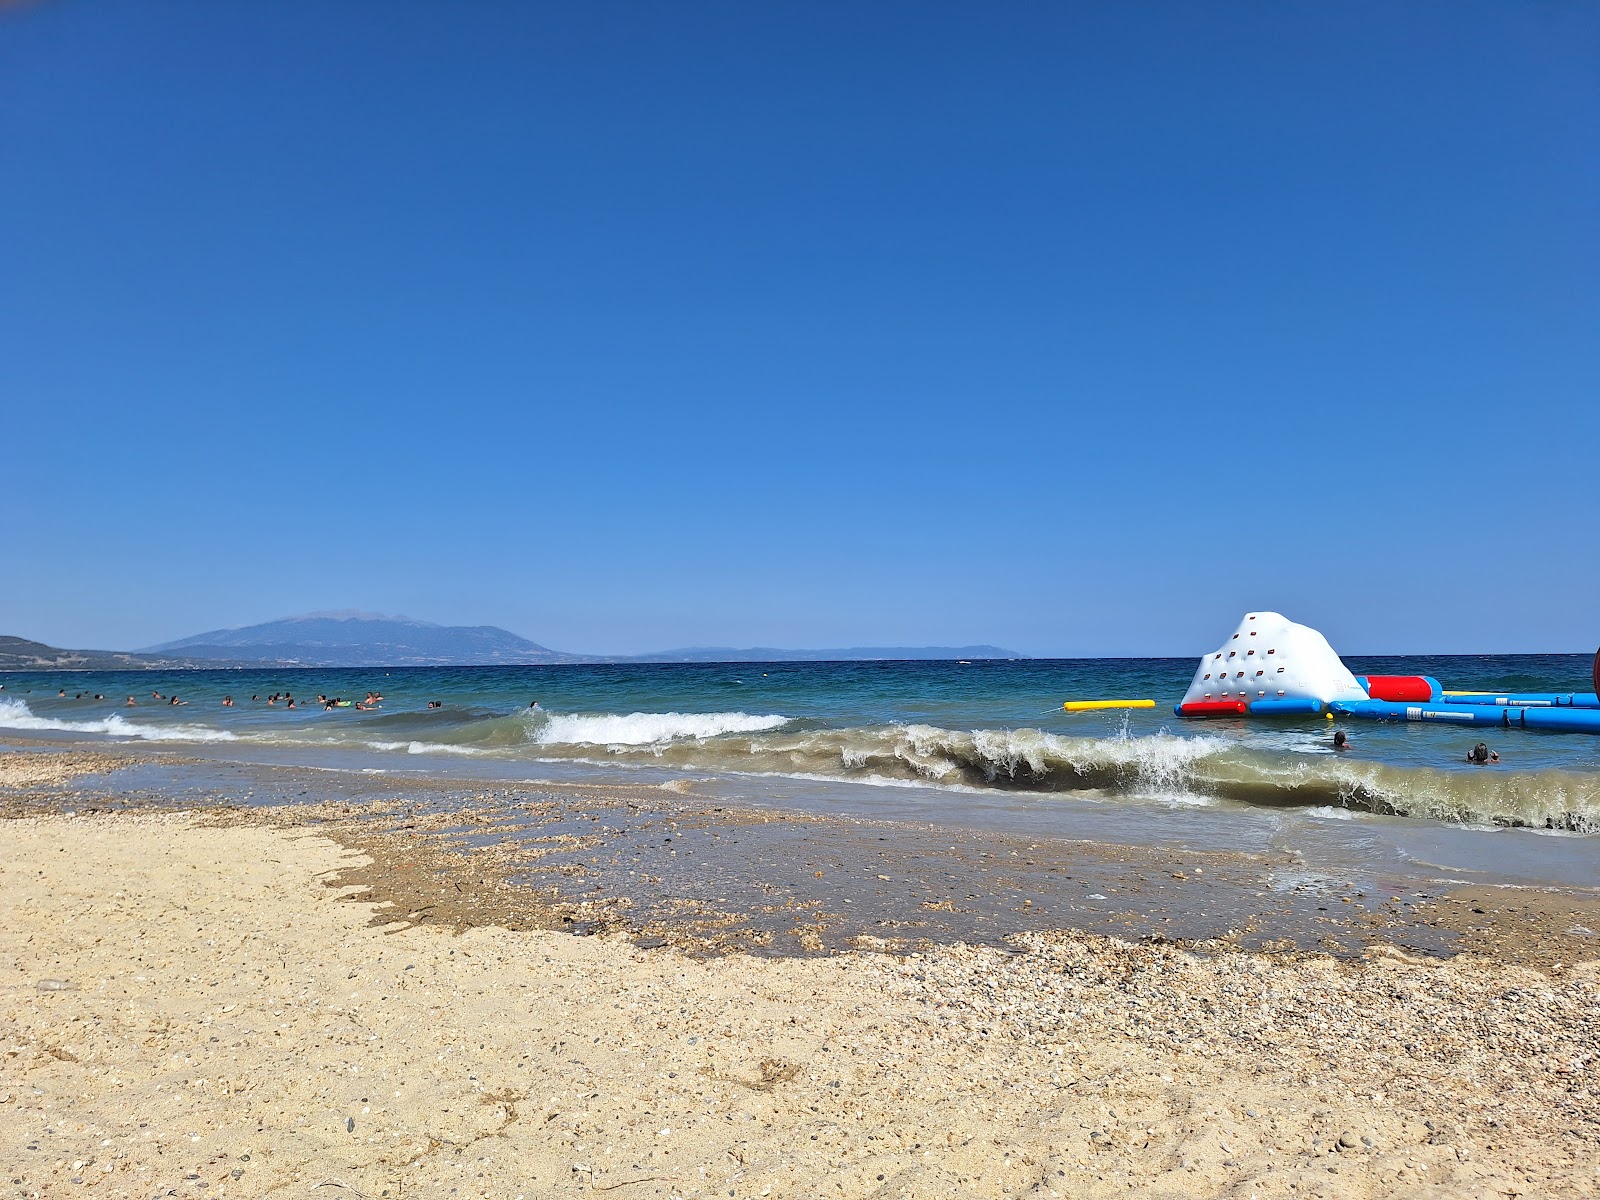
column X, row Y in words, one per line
column 211, row 1004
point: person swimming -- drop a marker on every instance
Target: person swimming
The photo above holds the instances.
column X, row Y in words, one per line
column 1340, row 741
column 1481, row 754
column 435, row 704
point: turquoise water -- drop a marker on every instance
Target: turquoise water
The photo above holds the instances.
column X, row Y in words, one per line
column 950, row 729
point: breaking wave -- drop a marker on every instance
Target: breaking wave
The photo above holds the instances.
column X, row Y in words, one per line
column 1162, row 766
column 644, row 729
column 15, row 714
column 1286, row 770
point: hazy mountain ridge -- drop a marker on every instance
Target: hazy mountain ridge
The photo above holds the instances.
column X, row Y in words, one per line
column 366, row 639
column 373, row 640
column 20, row 654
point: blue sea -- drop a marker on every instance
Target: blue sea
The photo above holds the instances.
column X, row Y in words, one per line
column 982, row 743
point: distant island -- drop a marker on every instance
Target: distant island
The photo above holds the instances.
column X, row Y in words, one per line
column 359, row 639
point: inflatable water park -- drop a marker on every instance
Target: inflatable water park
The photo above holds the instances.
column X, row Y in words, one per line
column 1273, row 667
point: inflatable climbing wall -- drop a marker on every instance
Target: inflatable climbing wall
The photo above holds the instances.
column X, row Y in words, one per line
column 1270, row 664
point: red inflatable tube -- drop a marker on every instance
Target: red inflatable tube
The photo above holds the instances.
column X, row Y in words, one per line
column 1399, row 689
column 1213, row 708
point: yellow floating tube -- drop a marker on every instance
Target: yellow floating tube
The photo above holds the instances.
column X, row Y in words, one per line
column 1088, row 705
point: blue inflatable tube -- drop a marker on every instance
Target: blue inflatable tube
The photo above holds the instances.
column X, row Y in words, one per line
column 1556, row 720
column 1286, row 708
column 1445, row 714
column 1565, row 719
column 1530, row 699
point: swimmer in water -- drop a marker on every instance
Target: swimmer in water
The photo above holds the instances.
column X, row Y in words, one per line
column 1480, row 755
column 130, row 703
column 1340, row 741
column 227, row 702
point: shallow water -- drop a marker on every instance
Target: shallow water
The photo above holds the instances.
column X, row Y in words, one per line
column 982, row 745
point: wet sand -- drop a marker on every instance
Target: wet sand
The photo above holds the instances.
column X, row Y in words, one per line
column 669, row 866
column 321, row 995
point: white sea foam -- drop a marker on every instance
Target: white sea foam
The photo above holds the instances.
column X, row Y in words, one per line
column 428, row 748
column 15, row 714
column 645, row 729
column 1161, row 762
column 1327, row 812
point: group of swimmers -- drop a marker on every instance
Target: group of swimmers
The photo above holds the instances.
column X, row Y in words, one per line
column 329, row 703
column 131, row 702
column 1479, row 756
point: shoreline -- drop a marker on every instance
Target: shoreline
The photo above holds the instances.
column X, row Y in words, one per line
column 707, row 876
column 192, row 999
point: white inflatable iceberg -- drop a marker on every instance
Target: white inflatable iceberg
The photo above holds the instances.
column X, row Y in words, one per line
column 1270, row 665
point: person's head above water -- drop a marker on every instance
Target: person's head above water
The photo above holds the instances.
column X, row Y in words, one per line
column 1340, row 741
column 1481, row 754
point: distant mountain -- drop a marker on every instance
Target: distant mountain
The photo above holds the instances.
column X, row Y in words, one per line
column 19, row 654
column 854, row 653
column 359, row 639
column 351, row 639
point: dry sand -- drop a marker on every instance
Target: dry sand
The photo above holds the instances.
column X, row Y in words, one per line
column 198, row 1009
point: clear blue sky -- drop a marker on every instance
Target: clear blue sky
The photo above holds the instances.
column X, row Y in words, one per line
column 1075, row 328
